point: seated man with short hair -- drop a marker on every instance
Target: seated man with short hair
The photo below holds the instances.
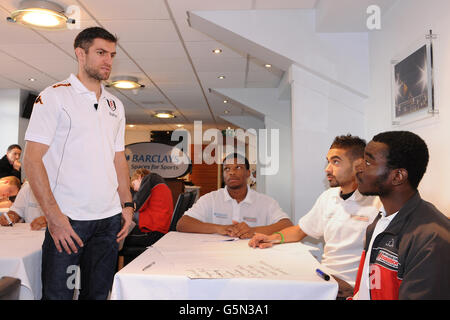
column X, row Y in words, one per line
column 235, row 210
column 26, row 209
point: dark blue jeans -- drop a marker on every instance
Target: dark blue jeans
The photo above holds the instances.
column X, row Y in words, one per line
column 97, row 261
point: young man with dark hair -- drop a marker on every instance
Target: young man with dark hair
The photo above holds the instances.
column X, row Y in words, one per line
column 340, row 215
column 76, row 166
column 10, row 164
column 407, row 249
column 235, row 210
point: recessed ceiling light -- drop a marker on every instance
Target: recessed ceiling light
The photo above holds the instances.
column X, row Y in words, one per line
column 163, row 114
column 32, row 79
column 40, row 14
column 268, row 65
column 217, row 51
column 226, row 112
column 180, row 125
column 125, row 83
column 225, row 101
column 221, row 77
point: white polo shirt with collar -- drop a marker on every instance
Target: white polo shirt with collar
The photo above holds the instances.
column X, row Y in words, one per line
column 342, row 224
column 82, row 144
column 26, row 205
column 218, row 207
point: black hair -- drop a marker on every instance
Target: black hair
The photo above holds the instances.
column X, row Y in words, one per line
column 353, row 144
column 237, row 156
column 85, row 38
column 405, row 150
column 14, row 146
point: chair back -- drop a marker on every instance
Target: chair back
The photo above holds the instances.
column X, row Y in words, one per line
column 183, row 202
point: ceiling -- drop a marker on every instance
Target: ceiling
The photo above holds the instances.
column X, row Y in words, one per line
column 174, row 62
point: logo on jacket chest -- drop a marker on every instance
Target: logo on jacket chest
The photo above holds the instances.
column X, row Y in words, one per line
column 111, row 104
column 387, row 259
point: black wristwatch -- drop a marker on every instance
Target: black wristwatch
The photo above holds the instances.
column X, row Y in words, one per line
column 130, row 204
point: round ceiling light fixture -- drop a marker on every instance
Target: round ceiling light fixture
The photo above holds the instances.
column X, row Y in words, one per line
column 40, row 14
column 127, row 83
column 164, row 114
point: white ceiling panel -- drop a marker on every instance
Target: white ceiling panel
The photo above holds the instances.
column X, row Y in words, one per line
column 166, row 65
column 218, row 64
column 129, row 9
column 203, row 49
column 27, row 52
column 154, row 50
column 142, row 30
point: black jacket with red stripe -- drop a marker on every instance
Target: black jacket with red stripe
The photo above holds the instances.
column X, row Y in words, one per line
column 411, row 258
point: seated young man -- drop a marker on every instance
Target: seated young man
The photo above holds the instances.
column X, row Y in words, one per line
column 26, row 209
column 235, row 210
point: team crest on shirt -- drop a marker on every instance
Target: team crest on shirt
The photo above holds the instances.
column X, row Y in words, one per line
column 111, row 104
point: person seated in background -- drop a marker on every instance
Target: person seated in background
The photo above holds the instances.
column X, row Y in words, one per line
column 26, row 209
column 340, row 215
column 236, row 210
column 153, row 208
column 10, row 164
column 9, row 187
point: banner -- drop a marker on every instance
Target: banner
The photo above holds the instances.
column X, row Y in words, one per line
column 167, row 161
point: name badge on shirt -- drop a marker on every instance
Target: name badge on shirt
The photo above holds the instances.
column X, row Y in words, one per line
column 360, row 218
column 220, row 215
column 249, row 219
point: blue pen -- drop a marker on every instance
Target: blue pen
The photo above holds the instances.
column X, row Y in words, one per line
column 323, row 275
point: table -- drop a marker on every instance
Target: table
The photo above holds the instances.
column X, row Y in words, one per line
column 189, row 266
column 21, row 256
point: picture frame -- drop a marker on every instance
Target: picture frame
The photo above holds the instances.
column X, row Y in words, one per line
column 412, row 81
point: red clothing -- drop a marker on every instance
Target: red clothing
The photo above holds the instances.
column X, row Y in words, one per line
column 156, row 213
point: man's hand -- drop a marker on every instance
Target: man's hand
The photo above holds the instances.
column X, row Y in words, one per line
column 240, row 230
column 17, row 165
column 262, row 241
column 63, row 234
column 38, row 223
column 127, row 218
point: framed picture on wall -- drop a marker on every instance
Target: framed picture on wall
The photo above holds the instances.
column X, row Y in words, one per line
column 413, row 84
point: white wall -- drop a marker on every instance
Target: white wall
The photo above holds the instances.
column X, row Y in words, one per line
column 9, row 115
column 321, row 111
column 405, row 23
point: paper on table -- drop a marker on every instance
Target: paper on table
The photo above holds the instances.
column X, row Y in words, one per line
column 259, row 269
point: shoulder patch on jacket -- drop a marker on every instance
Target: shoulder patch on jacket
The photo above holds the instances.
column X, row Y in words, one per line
column 61, row 85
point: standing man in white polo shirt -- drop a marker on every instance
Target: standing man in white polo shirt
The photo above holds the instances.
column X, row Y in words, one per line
column 340, row 215
column 236, row 210
column 76, row 166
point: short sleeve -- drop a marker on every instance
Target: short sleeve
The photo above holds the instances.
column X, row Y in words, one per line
column 44, row 118
column 202, row 209
column 275, row 213
column 21, row 200
column 313, row 223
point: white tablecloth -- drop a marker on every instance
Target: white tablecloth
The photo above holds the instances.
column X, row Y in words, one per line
column 288, row 271
column 21, row 256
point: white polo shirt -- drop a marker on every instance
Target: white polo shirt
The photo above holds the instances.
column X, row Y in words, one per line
column 26, row 205
column 342, row 224
column 82, row 144
column 218, row 207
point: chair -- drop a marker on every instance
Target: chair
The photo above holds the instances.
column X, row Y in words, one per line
column 184, row 202
column 9, row 288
